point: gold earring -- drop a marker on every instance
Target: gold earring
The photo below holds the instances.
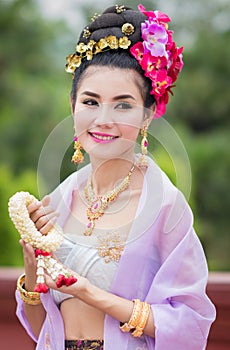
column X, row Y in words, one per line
column 143, row 161
column 77, row 156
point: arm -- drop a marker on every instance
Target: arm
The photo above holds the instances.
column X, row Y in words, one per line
column 35, row 314
column 44, row 218
column 114, row 306
column 110, row 304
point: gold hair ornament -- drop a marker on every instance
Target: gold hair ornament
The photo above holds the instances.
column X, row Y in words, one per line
column 127, row 29
column 95, row 16
column 93, row 48
column 120, row 8
column 86, row 33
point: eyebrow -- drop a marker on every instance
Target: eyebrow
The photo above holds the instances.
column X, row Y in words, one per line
column 116, row 98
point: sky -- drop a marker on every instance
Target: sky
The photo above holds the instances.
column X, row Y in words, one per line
column 70, row 10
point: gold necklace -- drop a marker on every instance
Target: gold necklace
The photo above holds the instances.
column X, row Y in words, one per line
column 98, row 204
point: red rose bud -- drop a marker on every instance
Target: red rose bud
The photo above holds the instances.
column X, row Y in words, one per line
column 60, row 281
column 41, row 252
column 41, row 288
column 70, row 280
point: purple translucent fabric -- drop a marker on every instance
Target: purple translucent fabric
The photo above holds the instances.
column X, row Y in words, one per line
column 163, row 263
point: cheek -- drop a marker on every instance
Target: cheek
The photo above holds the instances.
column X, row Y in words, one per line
column 130, row 132
column 82, row 120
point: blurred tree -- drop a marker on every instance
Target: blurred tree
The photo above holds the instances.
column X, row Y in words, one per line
column 204, row 87
column 10, row 250
column 30, row 104
column 34, row 94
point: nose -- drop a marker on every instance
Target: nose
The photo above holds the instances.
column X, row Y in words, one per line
column 104, row 116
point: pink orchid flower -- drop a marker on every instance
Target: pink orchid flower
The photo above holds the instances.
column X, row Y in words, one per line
column 155, row 38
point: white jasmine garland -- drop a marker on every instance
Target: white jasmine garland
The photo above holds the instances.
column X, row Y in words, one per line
column 19, row 215
column 43, row 245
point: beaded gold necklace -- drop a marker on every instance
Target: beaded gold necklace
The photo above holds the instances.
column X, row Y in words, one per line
column 98, row 204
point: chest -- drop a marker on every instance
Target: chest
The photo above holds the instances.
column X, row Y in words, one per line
column 117, row 216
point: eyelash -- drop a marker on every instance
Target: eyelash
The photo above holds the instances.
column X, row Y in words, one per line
column 125, row 105
column 90, row 102
column 120, row 105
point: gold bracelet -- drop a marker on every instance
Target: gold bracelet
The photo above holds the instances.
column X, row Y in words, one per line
column 143, row 320
column 134, row 319
column 30, row 298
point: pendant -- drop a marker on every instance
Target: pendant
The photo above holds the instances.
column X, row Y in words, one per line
column 89, row 228
column 97, row 208
column 94, row 212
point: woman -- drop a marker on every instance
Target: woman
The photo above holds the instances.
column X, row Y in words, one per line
column 140, row 268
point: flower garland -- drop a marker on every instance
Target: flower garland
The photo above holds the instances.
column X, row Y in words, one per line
column 158, row 56
column 43, row 245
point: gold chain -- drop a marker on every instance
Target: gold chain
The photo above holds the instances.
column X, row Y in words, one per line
column 98, row 204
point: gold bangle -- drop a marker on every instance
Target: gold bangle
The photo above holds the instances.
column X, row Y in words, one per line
column 143, row 320
column 30, row 298
column 134, row 319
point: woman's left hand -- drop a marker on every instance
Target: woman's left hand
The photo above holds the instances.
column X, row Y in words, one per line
column 75, row 289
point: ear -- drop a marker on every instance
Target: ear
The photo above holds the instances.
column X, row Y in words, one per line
column 149, row 113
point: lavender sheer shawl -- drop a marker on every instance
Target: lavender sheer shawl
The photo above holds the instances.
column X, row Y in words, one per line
column 163, row 263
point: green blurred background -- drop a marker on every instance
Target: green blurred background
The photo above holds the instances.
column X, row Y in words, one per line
column 35, row 38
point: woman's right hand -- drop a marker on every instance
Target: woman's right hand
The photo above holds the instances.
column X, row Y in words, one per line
column 44, row 217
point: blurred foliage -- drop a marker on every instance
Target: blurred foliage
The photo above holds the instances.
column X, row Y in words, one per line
column 10, row 250
column 30, row 104
column 204, row 87
column 34, row 97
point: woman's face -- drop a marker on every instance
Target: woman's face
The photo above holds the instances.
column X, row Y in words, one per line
column 109, row 112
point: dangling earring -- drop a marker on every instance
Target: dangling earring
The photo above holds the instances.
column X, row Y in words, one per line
column 77, row 156
column 143, row 161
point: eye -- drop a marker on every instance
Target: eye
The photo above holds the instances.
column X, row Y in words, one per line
column 123, row 105
column 90, row 102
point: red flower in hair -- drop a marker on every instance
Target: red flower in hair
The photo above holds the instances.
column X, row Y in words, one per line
column 137, row 50
column 158, row 56
column 157, row 15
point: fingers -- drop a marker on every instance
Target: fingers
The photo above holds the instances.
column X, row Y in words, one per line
column 46, row 201
column 28, row 252
column 43, row 216
column 44, row 222
column 33, row 207
column 30, row 265
column 45, row 226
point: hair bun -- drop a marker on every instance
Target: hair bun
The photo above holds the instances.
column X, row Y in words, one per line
column 110, row 22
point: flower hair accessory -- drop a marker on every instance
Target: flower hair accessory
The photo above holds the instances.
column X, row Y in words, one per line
column 158, row 56
column 93, row 48
column 43, row 245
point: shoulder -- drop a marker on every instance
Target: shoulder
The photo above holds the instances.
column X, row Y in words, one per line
column 173, row 204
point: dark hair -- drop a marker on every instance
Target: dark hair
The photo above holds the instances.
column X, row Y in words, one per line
column 110, row 23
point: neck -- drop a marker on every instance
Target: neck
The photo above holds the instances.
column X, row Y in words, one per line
column 106, row 174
